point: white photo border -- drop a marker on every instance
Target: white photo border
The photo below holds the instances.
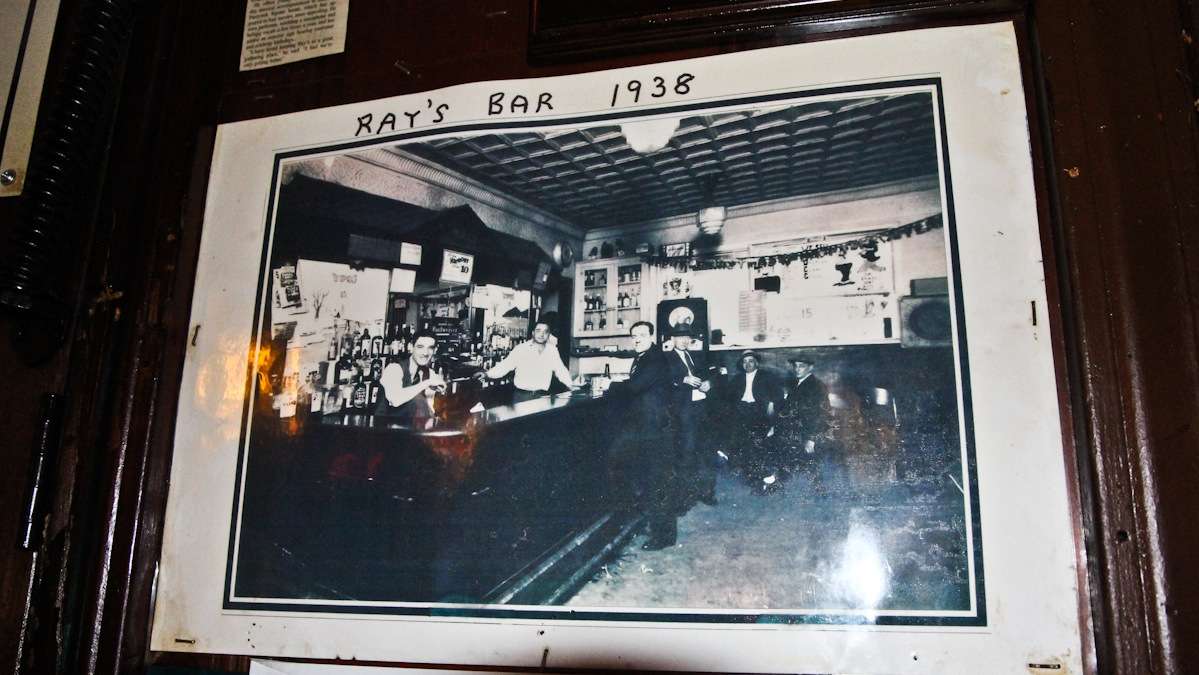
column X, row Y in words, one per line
column 188, row 620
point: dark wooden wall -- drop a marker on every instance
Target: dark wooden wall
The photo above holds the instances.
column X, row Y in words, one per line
column 1113, row 94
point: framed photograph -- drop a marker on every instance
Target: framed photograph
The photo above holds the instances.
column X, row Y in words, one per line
column 676, row 250
column 856, row 465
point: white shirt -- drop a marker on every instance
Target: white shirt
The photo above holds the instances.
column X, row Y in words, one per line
column 696, row 395
column 392, row 380
column 748, row 396
column 535, row 366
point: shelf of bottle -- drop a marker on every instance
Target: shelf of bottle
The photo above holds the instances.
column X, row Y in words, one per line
column 630, row 283
column 595, row 311
column 632, row 307
column 603, row 285
column 604, row 332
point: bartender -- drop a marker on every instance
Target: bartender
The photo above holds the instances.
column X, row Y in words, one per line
column 536, row 364
column 411, row 386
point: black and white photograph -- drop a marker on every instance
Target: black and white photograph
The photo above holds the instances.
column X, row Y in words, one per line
column 702, row 365
column 742, row 350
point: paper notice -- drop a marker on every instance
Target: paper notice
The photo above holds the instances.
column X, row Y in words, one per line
column 283, row 31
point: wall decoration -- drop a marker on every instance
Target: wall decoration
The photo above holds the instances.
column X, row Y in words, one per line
column 503, row 535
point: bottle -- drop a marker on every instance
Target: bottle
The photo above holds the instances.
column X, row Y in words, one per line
column 372, row 394
column 332, row 399
column 587, row 324
column 358, row 402
column 603, row 322
column 393, row 348
column 620, row 322
column 377, row 345
column 341, row 369
column 330, row 374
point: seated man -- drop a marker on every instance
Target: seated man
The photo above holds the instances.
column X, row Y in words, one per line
column 411, row 386
column 803, row 420
column 754, row 394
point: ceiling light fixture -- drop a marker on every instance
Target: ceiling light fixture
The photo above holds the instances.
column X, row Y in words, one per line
column 650, row 135
column 711, row 219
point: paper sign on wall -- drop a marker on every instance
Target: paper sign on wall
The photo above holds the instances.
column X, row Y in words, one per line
column 283, row 31
column 456, row 267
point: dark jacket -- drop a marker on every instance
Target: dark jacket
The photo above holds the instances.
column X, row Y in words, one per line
column 766, row 388
column 680, row 392
column 643, row 401
column 805, row 414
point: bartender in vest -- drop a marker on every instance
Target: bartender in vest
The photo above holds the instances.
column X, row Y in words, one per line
column 411, row 386
column 536, row 363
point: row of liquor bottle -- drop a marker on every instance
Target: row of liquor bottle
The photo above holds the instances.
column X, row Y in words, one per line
column 602, row 323
column 625, row 275
column 346, row 341
column 629, row 300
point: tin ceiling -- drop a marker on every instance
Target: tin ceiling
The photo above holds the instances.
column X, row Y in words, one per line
column 592, row 178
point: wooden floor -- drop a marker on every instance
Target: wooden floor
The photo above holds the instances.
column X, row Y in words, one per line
column 900, row 546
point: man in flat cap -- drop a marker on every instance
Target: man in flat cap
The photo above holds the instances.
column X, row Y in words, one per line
column 755, row 394
column 803, row 420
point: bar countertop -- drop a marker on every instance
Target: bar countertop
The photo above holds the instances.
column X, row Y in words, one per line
column 439, row 427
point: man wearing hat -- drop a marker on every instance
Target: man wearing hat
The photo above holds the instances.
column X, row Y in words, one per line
column 803, row 420
column 690, row 379
column 755, row 394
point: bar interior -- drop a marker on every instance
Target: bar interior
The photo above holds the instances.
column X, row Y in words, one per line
column 812, row 232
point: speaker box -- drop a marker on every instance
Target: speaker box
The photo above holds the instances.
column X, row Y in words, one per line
column 693, row 311
column 924, row 321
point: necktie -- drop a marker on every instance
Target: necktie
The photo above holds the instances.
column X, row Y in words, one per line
column 422, row 373
column 687, row 362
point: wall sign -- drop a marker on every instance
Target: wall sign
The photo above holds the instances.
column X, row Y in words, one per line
column 456, row 267
column 951, row 546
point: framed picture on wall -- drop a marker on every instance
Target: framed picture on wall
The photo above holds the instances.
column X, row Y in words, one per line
column 676, row 250
column 807, row 492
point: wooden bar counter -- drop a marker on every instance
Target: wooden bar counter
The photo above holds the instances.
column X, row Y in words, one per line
column 355, row 506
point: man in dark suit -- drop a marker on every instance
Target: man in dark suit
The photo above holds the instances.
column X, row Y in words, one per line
column 691, row 381
column 643, row 457
column 803, row 419
column 755, row 394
